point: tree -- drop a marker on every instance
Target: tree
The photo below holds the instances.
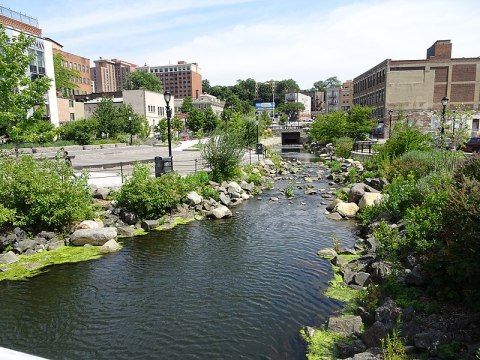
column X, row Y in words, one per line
column 359, row 122
column 265, row 92
column 64, row 77
column 206, row 86
column 283, row 87
column 331, row 82
column 211, row 120
column 106, row 116
column 143, row 80
column 177, row 125
column 138, row 124
column 187, row 105
column 195, row 120
column 22, row 99
column 292, row 109
column 245, row 90
column 162, row 130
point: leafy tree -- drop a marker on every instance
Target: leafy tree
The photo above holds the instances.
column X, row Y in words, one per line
column 206, row 86
column 138, row 124
column 234, row 103
column 143, row 80
column 177, row 125
column 245, row 90
column 162, row 130
column 328, row 83
column 81, row 131
column 187, row 105
column 221, row 92
column 63, row 75
column 359, row 122
column 195, row 120
column 265, row 92
column 18, row 93
column 292, row 109
column 106, row 116
column 211, row 120
column 283, row 87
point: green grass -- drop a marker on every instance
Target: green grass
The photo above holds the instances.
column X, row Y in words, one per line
column 65, row 254
column 322, row 345
column 174, row 221
column 338, row 291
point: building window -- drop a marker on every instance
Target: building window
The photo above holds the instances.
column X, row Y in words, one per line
column 70, row 103
column 72, row 116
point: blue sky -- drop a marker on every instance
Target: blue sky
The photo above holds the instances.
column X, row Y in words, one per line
column 306, row 40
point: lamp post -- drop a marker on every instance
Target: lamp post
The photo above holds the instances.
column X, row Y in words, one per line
column 167, row 96
column 131, row 129
column 444, row 104
column 390, row 112
column 453, row 123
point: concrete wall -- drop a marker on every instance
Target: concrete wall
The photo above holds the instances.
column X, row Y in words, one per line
column 412, row 89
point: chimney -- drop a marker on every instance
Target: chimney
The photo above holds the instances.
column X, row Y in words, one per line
column 196, row 96
column 440, row 50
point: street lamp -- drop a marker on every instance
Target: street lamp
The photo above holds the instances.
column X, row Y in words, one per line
column 167, row 96
column 390, row 112
column 453, row 123
column 131, row 129
column 444, row 104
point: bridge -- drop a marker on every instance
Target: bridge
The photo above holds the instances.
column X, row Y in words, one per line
column 292, row 134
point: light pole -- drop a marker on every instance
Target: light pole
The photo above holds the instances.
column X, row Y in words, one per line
column 167, row 96
column 442, row 127
column 390, row 112
column 453, row 123
column 131, row 129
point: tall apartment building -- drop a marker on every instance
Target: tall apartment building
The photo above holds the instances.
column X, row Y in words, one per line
column 42, row 64
column 110, row 75
column 122, row 69
column 78, row 63
column 346, row 96
column 182, row 79
column 416, row 87
column 332, row 96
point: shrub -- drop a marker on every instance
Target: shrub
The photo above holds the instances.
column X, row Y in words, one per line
column 196, row 180
column 44, row 195
column 393, row 347
column 209, row 192
column 469, row 167
column 148, row 197
column 335, row 166
column 403, row 140
column 343, row 146
column 80, row 131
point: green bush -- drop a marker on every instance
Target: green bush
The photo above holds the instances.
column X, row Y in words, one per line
column 208, row 192
column 469, row 167
column 196, row 180
column 44, row 195
column 403, row 140
column 150, row 197
column 80, row 131
column 335, row 166
column 343, row 146
column 7, row 216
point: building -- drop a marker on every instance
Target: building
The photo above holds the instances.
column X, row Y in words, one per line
column 206, row 101
column 181, row 80
column 122, row 69
column 300, row 98
column 416, row 87
column 318, row 101
column 69, row 110
column 332, row 96
column 110, row 75
column 42, row 64
column 346, row 96
column 91, row 105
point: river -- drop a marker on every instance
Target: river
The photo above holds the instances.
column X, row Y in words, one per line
column 237, row 288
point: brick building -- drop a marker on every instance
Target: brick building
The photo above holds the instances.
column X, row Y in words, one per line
column 346, row 96
column 416, row 87
column 110, row 75
column 182, row 79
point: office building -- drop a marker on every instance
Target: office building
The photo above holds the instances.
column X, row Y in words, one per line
column 110, row 75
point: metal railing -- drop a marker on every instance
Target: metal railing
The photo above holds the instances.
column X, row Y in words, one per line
column 18, row 16
column 361, row 146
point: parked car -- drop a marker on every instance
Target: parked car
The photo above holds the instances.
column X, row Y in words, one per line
column 472, row 145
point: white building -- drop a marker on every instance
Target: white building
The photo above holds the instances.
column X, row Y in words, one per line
column 91, row 105
column 305, row 100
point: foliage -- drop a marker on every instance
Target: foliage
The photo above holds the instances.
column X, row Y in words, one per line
column 33, row 131
column 150, row 197
column 469, row 167
column 389, row 240
column 331, row 82
column 343, row 146
column 356, row 124
column 292, row 109
column 208, row 192
column 393, row 347
column 335, row 166
column 322, row 345
column 223, row 151
column 196, row 180
column 81, row 131
column 210, row 122
column 7, row 216
column 18, row 93
column 106, row 116
column 177, row 124
column 161, row 129
column 289, row 191
column 44, row 194
column 449, row 351
column 405, row 139
column 187, row 105
column 143, row 80
column 63, row 75
column 195, row 120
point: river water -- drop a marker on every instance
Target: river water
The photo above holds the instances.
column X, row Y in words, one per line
column 237, row 288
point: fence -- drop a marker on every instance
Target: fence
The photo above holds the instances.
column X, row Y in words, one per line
column 361, row 146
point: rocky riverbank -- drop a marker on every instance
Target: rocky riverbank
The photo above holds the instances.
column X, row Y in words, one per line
column 402, row 321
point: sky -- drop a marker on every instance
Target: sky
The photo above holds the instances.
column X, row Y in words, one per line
column 303, row 40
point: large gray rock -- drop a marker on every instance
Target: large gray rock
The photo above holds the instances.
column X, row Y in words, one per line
column 55, row 244
column 348, row 210
column 327, row 253
column 234, row 187
column 370, row 199
column 110, row 246
column 149, row 225
column 93, row 236
column 194, row 198
column 388, row 313
column 129, row 217
column 374, row 334
column 101, row 193
column 414, row 276
column 224, row 199
column 24, row 245
column 46, row 235
column 221, row 212
column 90, row 224
column 346, row 325
column 358, row 190
column 361, row 279
column 334, row 216
column 125, row 231
column 8, row 258
column 428, row 340
column 247, row 186
column 268, row 162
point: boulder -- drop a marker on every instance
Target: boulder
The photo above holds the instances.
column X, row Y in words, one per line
column 125, row 231
column 90, row 224
column 358, row 190
column 129, row 218
column 310, row 191
column 268, row 162
column 221, row 212
column 334, row 216
column 8, row 258
column 345, row 325
column 234, row 187
column 339, row 261
column 348, row 210
column 24, row 245
column 361, row 279
column 327, row 253
column 110, row 246
column 380, row 271
column 224, row 199
column 245, row 196
column 194, row 198
column 46, row 235
column 93, row 236
column 370, row 199
column 374, row 334
column 350, row 348
column 247, row 186
column 388, row 313
column 101, row 193
column 332, row 205
column 428, row 340
column 19, row 234
column 274, row 198
column 55, row 244
column 414, row 276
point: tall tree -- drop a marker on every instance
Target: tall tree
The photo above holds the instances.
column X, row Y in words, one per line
column 206, row 86
column 245, row 90
column 143, row 80
column 107, row 118
column 195, row 120
column 284, row 87
column 331, row 82
column 211, row 120
column 64, row 77
column 22, row 99
column 292, row 109
column 265, row 92
column 187, row 105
